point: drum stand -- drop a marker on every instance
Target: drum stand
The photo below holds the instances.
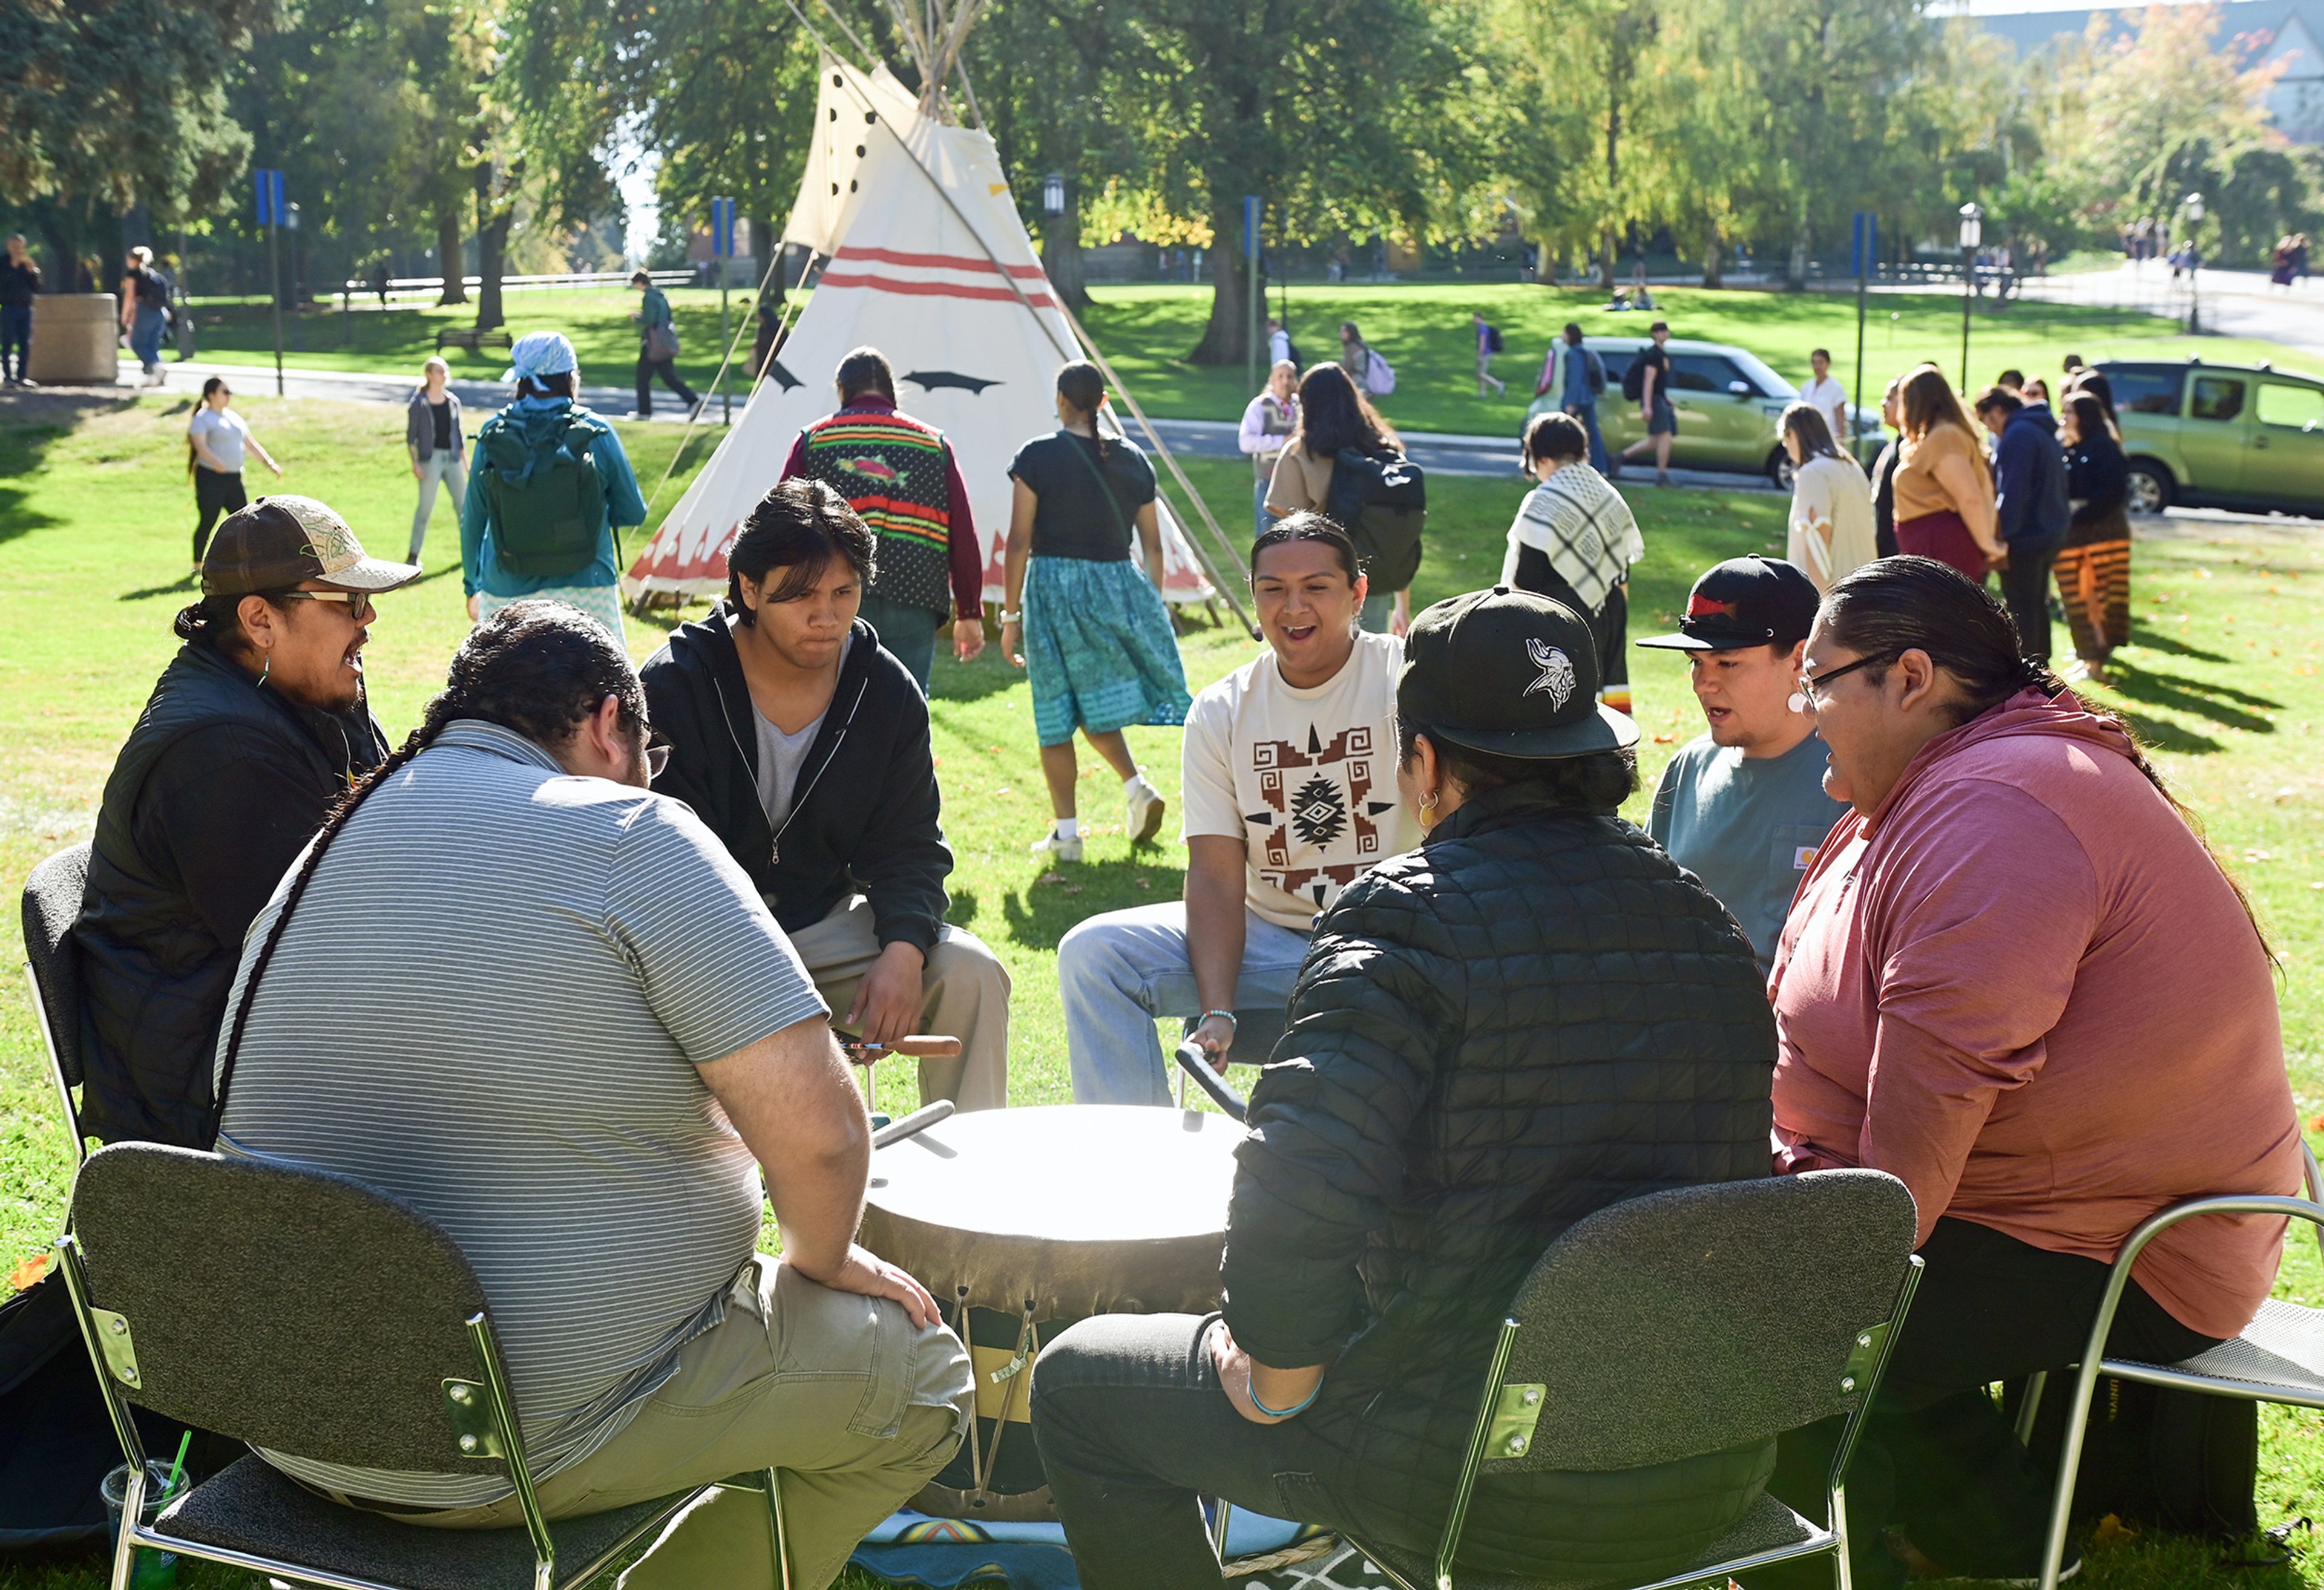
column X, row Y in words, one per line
column 985, row 1462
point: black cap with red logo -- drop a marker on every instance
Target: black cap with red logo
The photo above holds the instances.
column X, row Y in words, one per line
column 1745, row 601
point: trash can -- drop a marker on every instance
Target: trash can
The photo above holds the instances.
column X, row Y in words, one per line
column 75, row 339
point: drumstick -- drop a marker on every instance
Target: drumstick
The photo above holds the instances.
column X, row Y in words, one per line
column 1197, row 1065
column 912, row 1125
column 917, row 1045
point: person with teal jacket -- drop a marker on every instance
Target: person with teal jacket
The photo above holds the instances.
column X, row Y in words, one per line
column 547, row 487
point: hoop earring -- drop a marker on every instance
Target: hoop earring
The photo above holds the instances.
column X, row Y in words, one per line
column 1428, row 802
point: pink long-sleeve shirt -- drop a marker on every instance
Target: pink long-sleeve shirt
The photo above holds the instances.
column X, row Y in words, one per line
column 2022, row 988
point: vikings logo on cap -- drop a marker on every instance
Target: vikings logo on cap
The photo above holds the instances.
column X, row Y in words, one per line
column 1556, row 674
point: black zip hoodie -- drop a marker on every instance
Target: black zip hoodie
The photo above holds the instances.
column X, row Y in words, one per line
column 865, row 815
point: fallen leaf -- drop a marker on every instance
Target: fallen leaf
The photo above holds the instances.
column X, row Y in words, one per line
column 28, row 1271
column 1665, row 739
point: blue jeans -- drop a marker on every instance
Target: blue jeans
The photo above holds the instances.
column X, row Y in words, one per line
column 15, row 340
column 1378, row 610
column 1259, row 521
column 145, row 337
column 908, row 633
column 1587, row 413
column 1122, row 972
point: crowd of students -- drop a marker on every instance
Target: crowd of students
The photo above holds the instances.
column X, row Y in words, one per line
column 563, row 972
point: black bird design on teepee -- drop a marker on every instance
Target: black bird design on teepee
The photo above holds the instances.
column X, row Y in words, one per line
column 783, row 377
column 930, row 380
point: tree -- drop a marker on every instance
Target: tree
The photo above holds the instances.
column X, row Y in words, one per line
column 111, row 104
column 1045, row 66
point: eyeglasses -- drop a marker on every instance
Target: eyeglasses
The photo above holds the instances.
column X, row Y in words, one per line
column 359, row 607
column 1803, row 699
column 656, row 759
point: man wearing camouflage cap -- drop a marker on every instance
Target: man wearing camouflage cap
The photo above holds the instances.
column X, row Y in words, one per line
column 255, row 727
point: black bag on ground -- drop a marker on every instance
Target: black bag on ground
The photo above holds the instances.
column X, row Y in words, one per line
column 56, row 1441
column 1381, row 500
column 2156, row 1456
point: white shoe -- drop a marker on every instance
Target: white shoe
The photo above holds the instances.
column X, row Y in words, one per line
column 1145, row 812
column 1056, row 847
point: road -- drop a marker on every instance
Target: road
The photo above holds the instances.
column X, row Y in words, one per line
column 2234, row 303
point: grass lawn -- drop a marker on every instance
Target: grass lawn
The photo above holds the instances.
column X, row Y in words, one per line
column 94, row 512
column 1422, row 329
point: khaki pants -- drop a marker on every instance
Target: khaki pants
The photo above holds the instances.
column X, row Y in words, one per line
column 965, row 996
column 854, row 1405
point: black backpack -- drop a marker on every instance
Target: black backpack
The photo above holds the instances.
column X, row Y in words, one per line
column 1596, row 369
column 1634, row 379
column 1381, row 500
column 1492, row 339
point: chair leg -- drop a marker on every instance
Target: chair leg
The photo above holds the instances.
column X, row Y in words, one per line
column 1219, row 1529
column 133, row 1508
column 1844, row 1572
column 781, row 1535
column 2030, row 1408
column 2070, row 1458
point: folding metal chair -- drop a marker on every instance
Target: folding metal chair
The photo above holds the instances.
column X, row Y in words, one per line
column 306, row 1313
column 52, row 897
column 2278, row 1359
column 1686, row 1322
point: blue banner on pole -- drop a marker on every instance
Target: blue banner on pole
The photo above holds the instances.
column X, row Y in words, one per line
column 1864, row 249
column 1250, row 205
column 272, row 211
column 722, row 228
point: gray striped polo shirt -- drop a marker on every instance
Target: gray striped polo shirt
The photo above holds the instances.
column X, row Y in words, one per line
column 490, row 1003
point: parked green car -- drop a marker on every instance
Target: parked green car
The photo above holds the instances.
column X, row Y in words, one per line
column 1728, row 401
column 2220, row 435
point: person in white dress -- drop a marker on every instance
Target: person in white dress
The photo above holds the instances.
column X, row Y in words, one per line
column 1831, row 502
column 1823, row 394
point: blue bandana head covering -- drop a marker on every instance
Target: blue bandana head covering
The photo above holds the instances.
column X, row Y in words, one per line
column 538, row 353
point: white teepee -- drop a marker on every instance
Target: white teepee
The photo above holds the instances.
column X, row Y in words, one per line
column 928, row 263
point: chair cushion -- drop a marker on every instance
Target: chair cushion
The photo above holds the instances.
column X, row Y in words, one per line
column 251, row 1507
column 2279, row 1357
column 1769, row 1526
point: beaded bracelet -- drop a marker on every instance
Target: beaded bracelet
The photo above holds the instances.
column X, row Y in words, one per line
column 1251, row 1388
column 1228, row 1013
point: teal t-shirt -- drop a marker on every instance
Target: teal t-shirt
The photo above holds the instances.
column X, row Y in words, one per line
column 1747, row 827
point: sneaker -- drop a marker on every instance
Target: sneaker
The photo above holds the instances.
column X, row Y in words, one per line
column 1054, row 846
column 1661, row 477
column 1145, row 812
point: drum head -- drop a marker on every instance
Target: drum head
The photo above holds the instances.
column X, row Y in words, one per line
column 1073, row 1209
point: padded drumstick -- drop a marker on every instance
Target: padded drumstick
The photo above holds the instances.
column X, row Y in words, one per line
column 1197, row 1065
column 917, row 1045
column 912, row 1125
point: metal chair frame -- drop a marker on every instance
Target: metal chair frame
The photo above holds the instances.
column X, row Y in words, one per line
column 2095, row 1362
column 505, row 1434
column 1833, row 1537
column 41, row 1017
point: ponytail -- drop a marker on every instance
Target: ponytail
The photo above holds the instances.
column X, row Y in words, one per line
column 1082, row 384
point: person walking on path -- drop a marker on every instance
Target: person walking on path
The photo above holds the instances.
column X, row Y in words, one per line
column 437, row 446
column 1574, row 541
column 657, row 348
column 20, row 283
column 145, row 311
column 1269, row 420
column 1488, row 342
column 899, row 476
column 2093, row 567
column 1944, row 491
column 1654, row 410
column 1831, row 502
column 1826, row 397
column 1089, row 629
column 551, row 485
column 1583, row 382
column 1366, row 368
column 1278, row 343
column 771, row 335
column 1335, row 417
column 1884, row 475
column 217, row 440
column 2029, row 477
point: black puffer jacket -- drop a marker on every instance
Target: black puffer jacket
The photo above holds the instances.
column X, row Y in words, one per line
column 220, row 785
column 1535, row 1014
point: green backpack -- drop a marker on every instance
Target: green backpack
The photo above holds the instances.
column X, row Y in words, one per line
column 549, row 506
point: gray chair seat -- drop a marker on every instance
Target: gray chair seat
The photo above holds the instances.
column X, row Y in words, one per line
column 251, row 1507
column 1768, row 1526
column 2280, row 1355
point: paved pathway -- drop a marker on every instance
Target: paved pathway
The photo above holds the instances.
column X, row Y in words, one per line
column 2234, row 303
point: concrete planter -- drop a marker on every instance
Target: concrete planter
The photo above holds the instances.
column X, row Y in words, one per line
column 75, row 339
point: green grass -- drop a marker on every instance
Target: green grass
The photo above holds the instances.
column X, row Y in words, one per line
column 93, row 511
column 1422, row 329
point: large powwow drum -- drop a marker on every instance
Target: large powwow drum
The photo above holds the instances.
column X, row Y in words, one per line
column 1021, row 1221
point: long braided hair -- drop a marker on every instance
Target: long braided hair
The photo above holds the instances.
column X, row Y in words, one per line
column 1897, row 604
column 537, row 668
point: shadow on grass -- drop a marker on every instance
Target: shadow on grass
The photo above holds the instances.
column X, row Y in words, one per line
column 31, row 423
column 2221, row 703
column 2154, row 640
column 1050, row 903
column 186, row 584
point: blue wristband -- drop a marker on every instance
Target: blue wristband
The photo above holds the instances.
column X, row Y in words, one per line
column 1251, row 1386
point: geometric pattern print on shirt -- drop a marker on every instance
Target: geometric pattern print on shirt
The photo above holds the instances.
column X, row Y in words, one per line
column 891, row 471
column 1318, row 798
column 1585, row 527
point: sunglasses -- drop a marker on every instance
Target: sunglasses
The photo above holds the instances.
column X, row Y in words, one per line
column 359, row 607
column 656, row 759
column 1803, row 699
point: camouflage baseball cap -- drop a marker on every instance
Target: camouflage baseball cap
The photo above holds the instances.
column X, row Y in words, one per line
column 279, row 541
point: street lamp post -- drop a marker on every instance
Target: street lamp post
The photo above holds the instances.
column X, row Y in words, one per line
column 2194, row 204
column 1972, row 233
column 1053, row 194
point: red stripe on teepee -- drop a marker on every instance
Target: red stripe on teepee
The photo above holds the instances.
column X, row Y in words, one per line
column 932, row 290
column 889, row 256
